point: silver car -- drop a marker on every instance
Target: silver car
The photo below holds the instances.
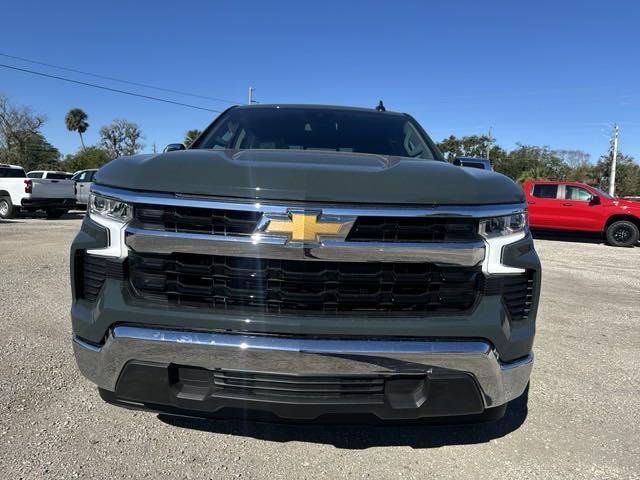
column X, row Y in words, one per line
column 83, row 179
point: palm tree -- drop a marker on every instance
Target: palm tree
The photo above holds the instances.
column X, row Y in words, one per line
column 76, row 121
column 190, row 136
column 538, row 172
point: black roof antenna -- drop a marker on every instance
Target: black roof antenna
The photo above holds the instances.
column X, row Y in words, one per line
column 380, row 107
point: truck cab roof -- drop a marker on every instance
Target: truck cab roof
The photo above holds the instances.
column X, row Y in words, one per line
column 315, row 107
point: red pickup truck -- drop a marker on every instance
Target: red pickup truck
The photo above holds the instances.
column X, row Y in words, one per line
column 579, row 207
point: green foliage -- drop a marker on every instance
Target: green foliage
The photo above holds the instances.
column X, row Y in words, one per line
column 90, row 157
column 532, row 162
column 190, row 136
column 470, row 146
column 627, row 174
column 76, row 121
column 121, row 138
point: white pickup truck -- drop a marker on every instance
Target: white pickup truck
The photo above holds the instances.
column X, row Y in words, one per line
column 21, row 193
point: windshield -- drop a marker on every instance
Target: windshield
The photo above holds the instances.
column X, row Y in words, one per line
column 602, row 193
column 318, row 129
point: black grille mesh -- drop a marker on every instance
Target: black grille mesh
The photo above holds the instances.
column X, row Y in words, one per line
column 397, row 229
column 196, row 220
column 219, row 282
column 283, row 385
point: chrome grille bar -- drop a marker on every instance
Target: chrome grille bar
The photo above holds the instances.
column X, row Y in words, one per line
column 155, row 241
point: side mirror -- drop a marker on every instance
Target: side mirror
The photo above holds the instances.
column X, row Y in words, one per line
column 473, row 162
column 172, row 147
column 595, row 200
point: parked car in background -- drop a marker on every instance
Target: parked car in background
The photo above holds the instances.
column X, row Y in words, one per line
column 50, row 174
column 472, row 162
column 83, row 180
column 21, row 193
column 573, row 206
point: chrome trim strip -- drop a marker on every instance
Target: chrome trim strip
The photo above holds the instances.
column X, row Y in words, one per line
column 282, row 207
column 500, row 383
column 304, row 345
column 158, row 241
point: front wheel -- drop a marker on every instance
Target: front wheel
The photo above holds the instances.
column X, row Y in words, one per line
column 622, row 233
column 7, row 210
column 55, row 213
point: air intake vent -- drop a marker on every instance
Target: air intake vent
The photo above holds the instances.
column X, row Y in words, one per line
column 282, row 385
column 517, row 292
column 91, row 272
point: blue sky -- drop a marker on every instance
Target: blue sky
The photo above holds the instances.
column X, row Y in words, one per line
column 544, row 73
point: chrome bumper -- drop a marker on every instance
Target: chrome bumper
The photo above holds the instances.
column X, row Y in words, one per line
column 498, row 381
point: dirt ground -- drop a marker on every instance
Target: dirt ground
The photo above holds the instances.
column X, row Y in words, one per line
column 582, row 419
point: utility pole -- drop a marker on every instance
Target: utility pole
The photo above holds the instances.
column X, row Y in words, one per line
column 251, row 89
column 489, row 145
column 612, row 176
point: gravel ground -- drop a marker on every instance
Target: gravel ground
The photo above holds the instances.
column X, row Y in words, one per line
column 582, row 418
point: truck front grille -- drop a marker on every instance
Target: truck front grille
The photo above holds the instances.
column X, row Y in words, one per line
column 366, row 229
column 270, row 285
column 196, row 220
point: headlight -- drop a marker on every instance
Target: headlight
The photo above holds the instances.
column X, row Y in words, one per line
column 503, row 226
column 109, row 208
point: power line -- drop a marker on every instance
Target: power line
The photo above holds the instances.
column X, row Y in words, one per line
column 109, row 89
column 114, row 79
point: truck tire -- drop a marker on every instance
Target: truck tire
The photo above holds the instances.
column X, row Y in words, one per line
column 7, row 210
column 622, row 233
column 55, row 213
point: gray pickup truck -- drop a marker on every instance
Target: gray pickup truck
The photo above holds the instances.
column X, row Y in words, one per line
column 298, row 262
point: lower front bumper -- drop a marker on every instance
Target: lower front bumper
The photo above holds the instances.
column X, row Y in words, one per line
column 300, row 377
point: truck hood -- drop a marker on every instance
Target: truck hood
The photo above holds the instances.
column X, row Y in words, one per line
column 334, row 177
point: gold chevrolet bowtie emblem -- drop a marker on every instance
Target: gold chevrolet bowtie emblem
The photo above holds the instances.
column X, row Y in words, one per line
column 307, row 227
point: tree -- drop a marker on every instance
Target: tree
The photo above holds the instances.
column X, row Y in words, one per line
column 532, row 162
column 573, row 158
column 21, row 142
column 627, row 174
column 89, row 157
column 121, row 138
column 190, row 137
column 480, row 146
column 76, row 121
